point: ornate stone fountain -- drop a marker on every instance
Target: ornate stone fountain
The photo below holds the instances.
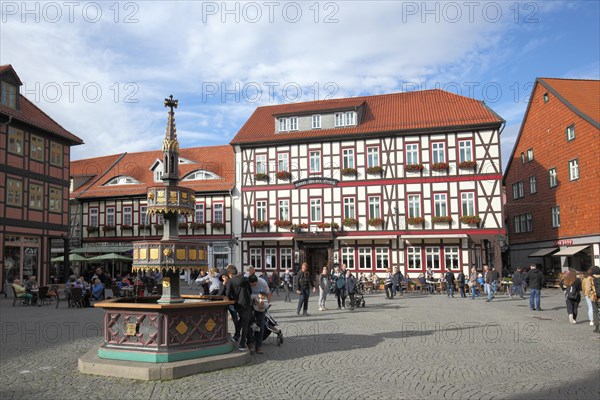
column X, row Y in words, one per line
column 189, row 333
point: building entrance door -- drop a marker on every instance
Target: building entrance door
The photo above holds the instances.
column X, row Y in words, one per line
column 316, row 258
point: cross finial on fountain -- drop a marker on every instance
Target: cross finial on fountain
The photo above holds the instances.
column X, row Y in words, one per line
column 169, row 102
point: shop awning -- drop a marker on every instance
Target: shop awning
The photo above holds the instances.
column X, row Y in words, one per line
column 543, row 252
column 102, row 249
column 569, row 251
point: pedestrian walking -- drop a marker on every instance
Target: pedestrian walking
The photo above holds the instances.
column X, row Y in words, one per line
column 340, row 287
column 473, row 283
column 238, row 290
column 304, row 285
column 288, row 280
column 535, row 280
column 587, row 287
column 351, row 289
column 517, row 283
column 571, row 285
column 388, row 284
column 460, row 279
column 323, row 288
column 396, row 282
column 449, row 278
column 487, row 279
column 595, row 296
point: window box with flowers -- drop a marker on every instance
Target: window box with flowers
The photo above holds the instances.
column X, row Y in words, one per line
column 92, row 229
column 323, row 225
column 284, row 175
column 260, row 224
column 439, row 166
column 350, row 222
column 217, row 225
column 376, row 221
column 415, row 220
column 299, row 227
column 197, row 225
column 413, row 167
column 467, row 165
column 158, row 227
column 375, row 170
column 261, row 177
column 470, row 219
column 349, row 172
column 440, row 219
column 283, row 223
column 108, row 228
column 183, row 225
column 144, row 226
column 126, row 227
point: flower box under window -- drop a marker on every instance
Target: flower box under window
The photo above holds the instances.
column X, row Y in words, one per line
column 197, row 225
column 350, row 222
column 260, row 224
column 349, row 172
column 323, row 225
column 470, row 219
column 376, row 221
column 92, row 229
column 283, row 223
column 126, row 227
column 183, row 225
column 375, row 170
column 467, row 165
column 299, row 227
column 439, row 166
column 217, row 225
column 284, row 175
column 144, row 226
column 444, row 219
column 108, row 228
column 413, row 167
column 261, row 177
column 415, row 220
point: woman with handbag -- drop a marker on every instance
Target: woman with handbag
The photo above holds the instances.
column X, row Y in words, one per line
column 571, row 285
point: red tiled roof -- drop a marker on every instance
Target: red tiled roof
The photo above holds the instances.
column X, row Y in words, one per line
column 428, row 109
column 31, row 114
column 216, row 159
column 583, row 96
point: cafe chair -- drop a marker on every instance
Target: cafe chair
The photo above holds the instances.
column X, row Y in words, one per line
column 77, row 297
column 53, row 294
column 43, row 296
column 21, row 299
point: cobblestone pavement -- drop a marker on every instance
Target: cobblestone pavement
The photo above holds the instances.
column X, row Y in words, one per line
column 415, row 347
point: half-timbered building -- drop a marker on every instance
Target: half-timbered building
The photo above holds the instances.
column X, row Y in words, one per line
column 411, row 180
column 34, row 183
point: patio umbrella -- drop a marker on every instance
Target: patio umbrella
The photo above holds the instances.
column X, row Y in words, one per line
column 110, row 257
column 72, row 257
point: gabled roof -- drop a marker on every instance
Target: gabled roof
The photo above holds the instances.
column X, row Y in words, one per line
column 432, row 110
column 216, row 159
column 30, row 114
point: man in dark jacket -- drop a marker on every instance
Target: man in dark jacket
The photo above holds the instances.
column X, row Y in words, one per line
column 517, row 283
column 304, row 285
column 535, row 280
column 238, row 290
column 449, row 278
column 487, row 279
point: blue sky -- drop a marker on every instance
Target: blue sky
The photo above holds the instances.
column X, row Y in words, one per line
column 102, row 69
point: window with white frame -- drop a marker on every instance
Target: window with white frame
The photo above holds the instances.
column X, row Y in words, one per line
column 285, row 258
column 374, row 207
column 293, row 123
column 517, row 223
column 522, row 158
column 573, row 169
column 199, row 213
column 315, row 210
column 110, row 216
column 284, row 124
column 414, row 257
column 284, row 209
column 372, row 157
column 349, row 207
column 261, row 210
column 532, row 185
column 348, row 257
column 256, row 258
column 432, row 257
column 315, row 161
column 364, row 258
column 122, row 180
column 348, row 158
column 555, row 212
column 283, row 162
column 316, row 121
column 128, row 216
column 451, row 257
column 412, row 153
column 270, row 258
column 200, row 175
column 144, row 215
column 261, row 163
column 414, row 205
column 93, row 214
column 438, row 152
column 552, row 177
column 467, row 202
column 350, row 118
column 440, row 201
column 518, row 190
column 382, row 258
column 529, row 222
column 465, row 150
column 157, row 174
column 530, row 155
column 218, row 213
column 339, row 119
column 570, row 132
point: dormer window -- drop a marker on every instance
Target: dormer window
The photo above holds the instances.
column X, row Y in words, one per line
column 347, row 118
column 200, row 175
column 8, row 96
column 288, row 124
column 122, row 180
column 316, row 121
column 158, row 175
column 283, row 124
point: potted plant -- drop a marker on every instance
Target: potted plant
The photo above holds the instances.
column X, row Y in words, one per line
column 413, row 167
column 439, row 166
column 91, row 229
column 375, row 170
column 323, row 225
column 284, row 175
column 217, row 225
column 349, row 172
column 415, row 220
column 467, row 165
column 260, row 224
column 283, row 223
column 335, row 225
column 350, row 222
column 470, row 219
column 441, row 219
column 197, row 225
column 261, row 177
column 376, row 221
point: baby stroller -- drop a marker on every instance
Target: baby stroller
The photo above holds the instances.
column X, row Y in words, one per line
column 271, row 326
column 359, row 297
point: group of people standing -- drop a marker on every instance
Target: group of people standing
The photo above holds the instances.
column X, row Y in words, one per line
column 590, row 286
